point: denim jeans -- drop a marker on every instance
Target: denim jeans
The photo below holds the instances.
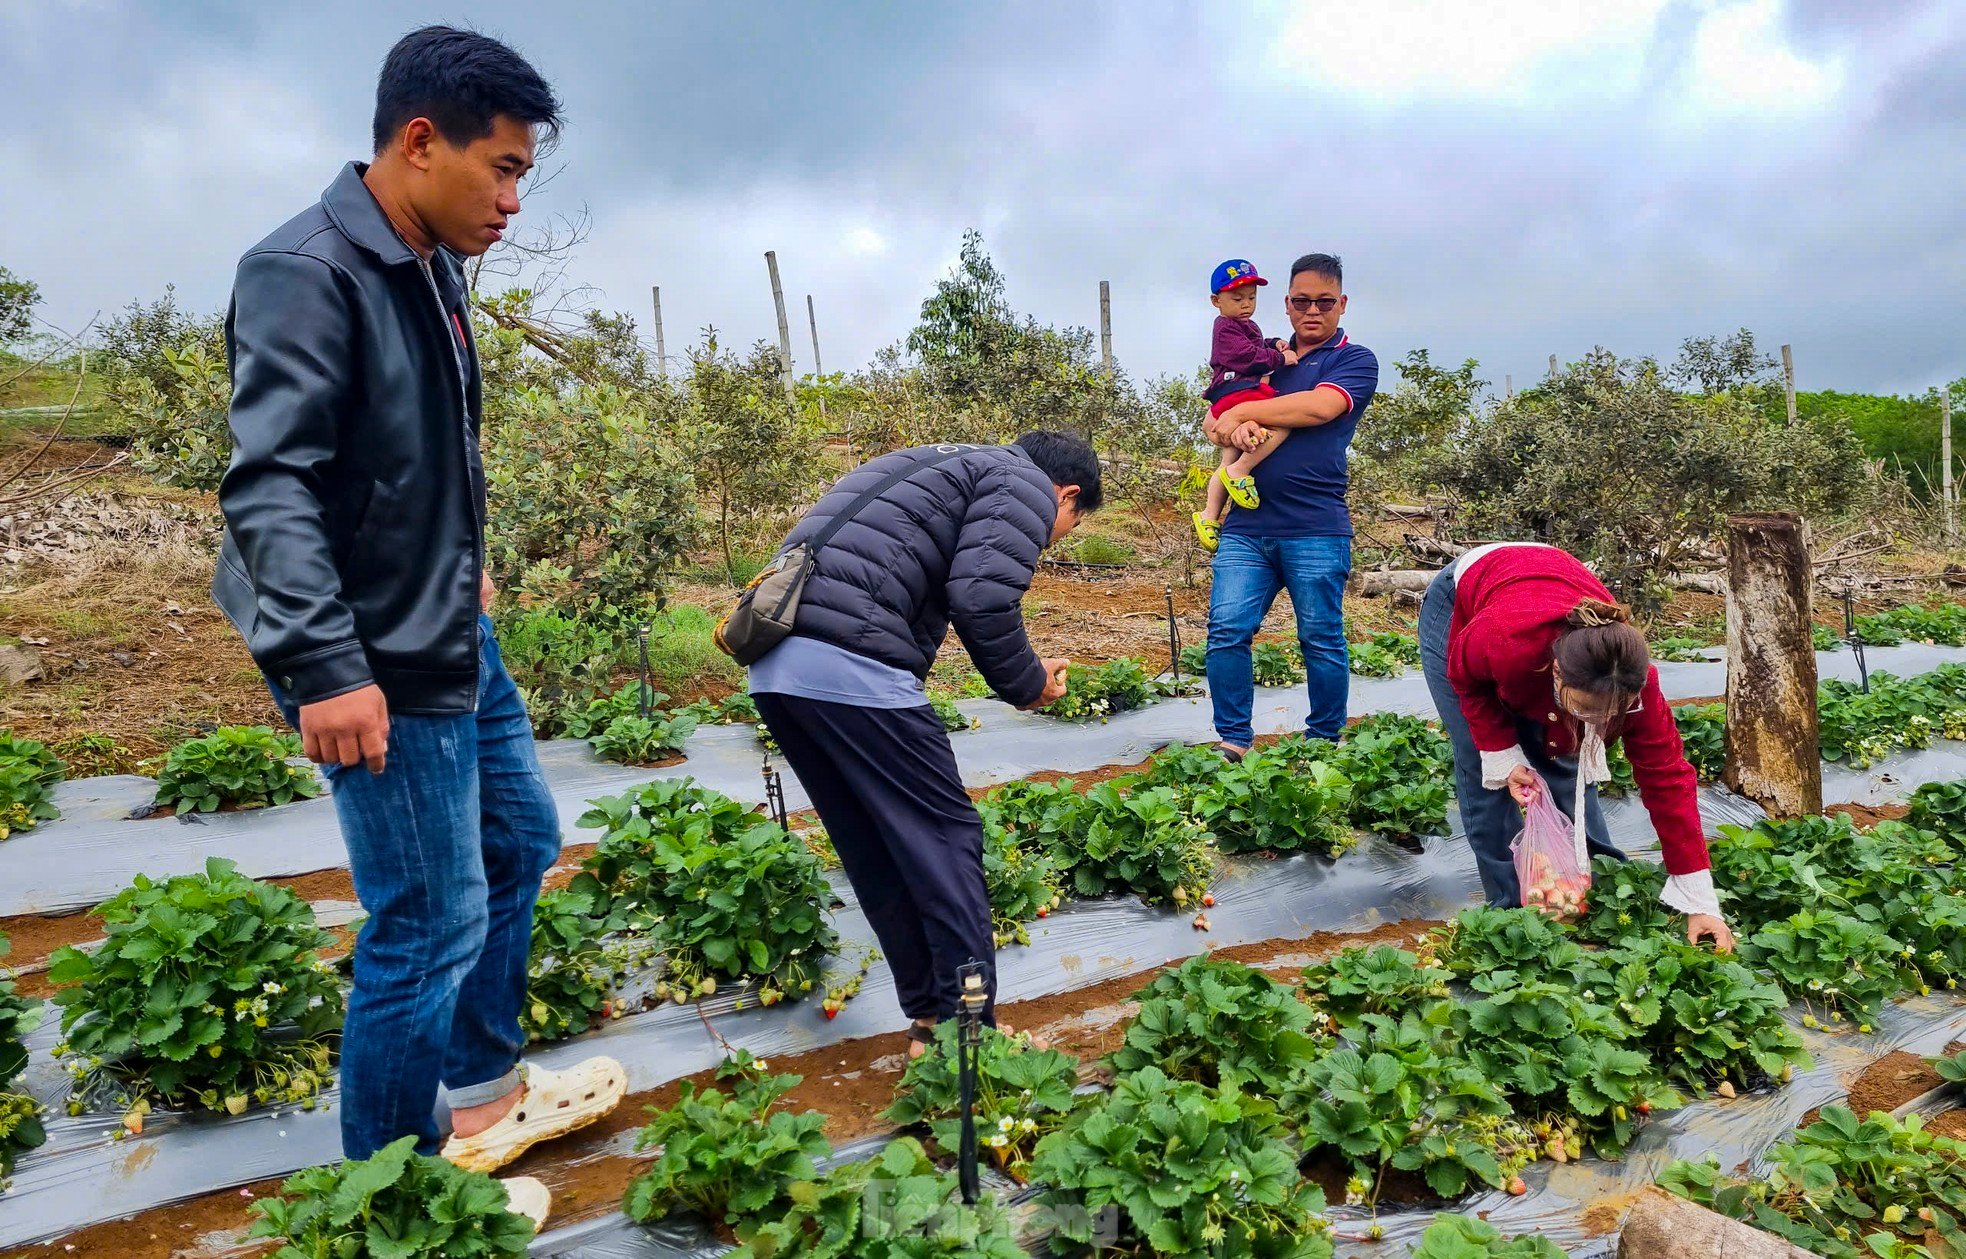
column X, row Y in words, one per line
column 1248, row 574
column 447, row 847
column 1492, row 819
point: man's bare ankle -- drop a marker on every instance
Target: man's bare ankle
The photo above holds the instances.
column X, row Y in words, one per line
column 469, row 1121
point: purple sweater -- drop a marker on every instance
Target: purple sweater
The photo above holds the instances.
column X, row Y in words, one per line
column 1239, row 351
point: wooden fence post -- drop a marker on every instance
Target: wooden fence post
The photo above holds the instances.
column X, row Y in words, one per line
column 661, row 350
column 1945, row 460
column 1106, row 325
column 1774, row 752
column 1788, row 380
column 1552, row 367
column 784, row 330
column 1508, row 387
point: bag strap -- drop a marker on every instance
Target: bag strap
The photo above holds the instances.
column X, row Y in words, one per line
column 938, row 454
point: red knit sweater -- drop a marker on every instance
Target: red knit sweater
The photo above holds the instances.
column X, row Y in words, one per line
column 1508, row 610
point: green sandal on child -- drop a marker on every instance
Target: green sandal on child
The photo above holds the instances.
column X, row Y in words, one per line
column 1209, row 531
column 1242, row 489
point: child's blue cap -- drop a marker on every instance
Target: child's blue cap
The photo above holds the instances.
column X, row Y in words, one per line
column 1233, row 274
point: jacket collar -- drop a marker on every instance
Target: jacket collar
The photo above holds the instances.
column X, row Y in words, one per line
column 353, row 209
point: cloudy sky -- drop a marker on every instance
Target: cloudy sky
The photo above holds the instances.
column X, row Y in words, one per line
column 1504, row 180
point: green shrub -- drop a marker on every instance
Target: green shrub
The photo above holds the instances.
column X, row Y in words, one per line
column 396, row 1202
column 20, row 1114
column 725, row 892
column 560, row 663
column 729, row 1159
column 207, row 989
column 1023, row 1094
column 590, row 505
column 247, row 766
column 169, row 389
column 28, row 774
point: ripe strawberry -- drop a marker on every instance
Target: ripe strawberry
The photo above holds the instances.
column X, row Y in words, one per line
column 1643, row 1108
column 1208, row 900
column 1518, row 1187
column 1044, row 912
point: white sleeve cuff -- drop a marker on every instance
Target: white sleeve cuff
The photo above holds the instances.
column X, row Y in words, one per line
column 1691, row 893
column 1495, row 766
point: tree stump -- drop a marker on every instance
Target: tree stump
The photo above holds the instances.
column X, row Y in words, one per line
column 1774, row 750
column 1661, row 1226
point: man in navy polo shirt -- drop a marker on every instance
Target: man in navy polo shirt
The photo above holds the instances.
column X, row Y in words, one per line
column 1300, row 538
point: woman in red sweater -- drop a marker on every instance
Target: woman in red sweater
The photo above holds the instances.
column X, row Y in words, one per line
column 1533, row 666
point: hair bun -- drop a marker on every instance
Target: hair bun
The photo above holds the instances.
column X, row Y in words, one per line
column 1593, row 613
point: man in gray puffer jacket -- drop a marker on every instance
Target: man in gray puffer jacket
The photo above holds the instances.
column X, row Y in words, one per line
column 952, row 542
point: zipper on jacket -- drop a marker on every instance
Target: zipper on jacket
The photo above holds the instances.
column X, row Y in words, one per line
column 464, row 431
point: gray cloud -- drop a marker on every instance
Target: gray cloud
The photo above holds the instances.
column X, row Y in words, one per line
column 1630, row 192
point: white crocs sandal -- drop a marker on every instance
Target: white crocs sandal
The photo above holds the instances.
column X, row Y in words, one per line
column 529, row 1197
column 555, row 1103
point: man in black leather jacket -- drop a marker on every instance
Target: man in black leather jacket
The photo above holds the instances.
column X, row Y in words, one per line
column 353, row 564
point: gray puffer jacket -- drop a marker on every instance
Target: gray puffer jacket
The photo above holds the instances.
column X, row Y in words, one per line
column 954, row 543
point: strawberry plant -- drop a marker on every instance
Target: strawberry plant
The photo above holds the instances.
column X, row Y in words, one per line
column 1701, row 1015
column 1845, row 1188
column 1951, row 1069
column 207, row 990
column 1276, row 665
column 599, row 713
column 1276, row 799
column 1379, row 980
column 1218, row 1023
column 1465, row 1237
column 1624, row 779
column 1094, row 694
column 20, row 1114
column 1624, row 902
column 1493, row 948
column 1822, row 956
column 1824, row 638
column 1400, row 769
column 1385, row 655
column 643, row 740
column 1681, row 648
column 1191, row 1170
column 953, row 719
column 731, row 1158
column 1766, row 879
column 571, row 972
column 1703, row 736
column 28, row 774
column 1941, row 808
column 1552, row 1049
column 397, row 1203
column 1140, row 841
column 896, row 1205
column 1022, row 882
column 1930, row 924
column 723, row 891
column 1023, row 1094
column 1398, row 1094
column 246, row 766
column 1944, row 625
column 1030, row 811
column 736, row 709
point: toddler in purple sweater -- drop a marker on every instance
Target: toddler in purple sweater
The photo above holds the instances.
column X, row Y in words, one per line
column 1242, row 359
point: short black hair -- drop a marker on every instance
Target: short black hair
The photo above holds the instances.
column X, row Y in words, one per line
column 1067, row 460
column 1320, row 264
column 461, row 81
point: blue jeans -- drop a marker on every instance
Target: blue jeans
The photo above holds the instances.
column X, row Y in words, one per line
column 1492, row 819
column 1248, row 574
column 447, row 847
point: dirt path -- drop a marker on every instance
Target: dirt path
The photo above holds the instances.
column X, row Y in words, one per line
column 851, row 1083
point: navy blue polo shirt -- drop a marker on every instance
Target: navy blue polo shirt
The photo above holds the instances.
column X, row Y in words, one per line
column 1303, row 481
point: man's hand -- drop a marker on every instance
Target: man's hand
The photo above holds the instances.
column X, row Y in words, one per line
column 1054, row 684
column 1698, row 925
column 1522, row 785
column 347, row 730
column 486, row 591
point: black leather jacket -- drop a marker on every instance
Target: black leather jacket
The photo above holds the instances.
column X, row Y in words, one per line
column 355, row 501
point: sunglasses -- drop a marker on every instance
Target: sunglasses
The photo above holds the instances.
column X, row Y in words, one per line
column 1301, row 303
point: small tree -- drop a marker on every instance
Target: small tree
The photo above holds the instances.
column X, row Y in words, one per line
column 18, row 298
column 1722, row 364
column 170, row 389
column 747, row 450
